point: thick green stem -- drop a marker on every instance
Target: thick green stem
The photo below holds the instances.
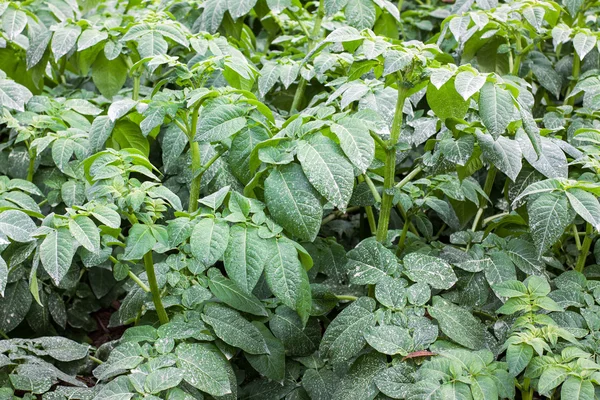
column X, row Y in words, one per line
column 196, row 163
column 585, row 247
column 136, row 87
column 315, row 35
column 526, row 391
column 487, row 188
column 160, row 309
column 517, row 62
column 31, row 168
column 390, row 166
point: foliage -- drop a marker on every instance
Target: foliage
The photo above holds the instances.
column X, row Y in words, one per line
column 300, row 199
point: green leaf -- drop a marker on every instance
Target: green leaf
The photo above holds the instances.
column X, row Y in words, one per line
column 271, row 365
column 298, row 339
column 163, row 379
column 496, row 108
column 13, row 95
column 139, row 241
column 286, row 277
column 360, row 13
column 551, row 161
column 3, row 276
column 395, row 381
column 577, row 389
column 62, row 349
column 327, row 169
column 37, row 47
column 64, row 40
column 234, row 329
column 152, row 44
column 90, row 37
column 229, row 293
column 13, row 22
column 370, row 262
column 484, row 388
column 355, row 141
column 209, row 240
column 320, row 384
column 56, row 253
column 517, row 357
column 523, row 254
column 499, row 268
column 109, row 76
column 359, row 382
column 17, row 225
column 458, row 151
column 204, row 368
column 467, row 84
column 344, row 336
column 128, row 134
column 293, row 203
column 446, row 102
column 14, row 305
column 389, row 339
column 245, row 257
column 391, row 292
column 220, row 123
column 458, row 324
column 85, row 232
column 586, row 205
column 333, row 6
column 549, row 216
column 583, row 44
column 503, row 153
column 100, row 131
column 431, row 270
column 551, row 378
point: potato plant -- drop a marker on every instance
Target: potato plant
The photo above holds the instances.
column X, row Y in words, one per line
column 286, row 199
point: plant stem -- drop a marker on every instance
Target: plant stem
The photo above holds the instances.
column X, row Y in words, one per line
column 160, row 309
column 390, row 166
column 585, row 247
column 96, row 360
column 400, row 248
column 31, row 168
column 136, row 87
column 346, row 297
column 372, row 187
column 408, row 177
column 487, row 188
column 575, row 74
column 526, row 392
column 369, row 209
column 378, row 139
column 311, row 41
column 4, row 335
column 576, row 236
column 517, row 62
column 137, row 280
column 196, row 163
column 371, row 219
column 133, row 276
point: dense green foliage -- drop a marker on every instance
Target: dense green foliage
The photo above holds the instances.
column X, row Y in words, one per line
column 285, row 199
